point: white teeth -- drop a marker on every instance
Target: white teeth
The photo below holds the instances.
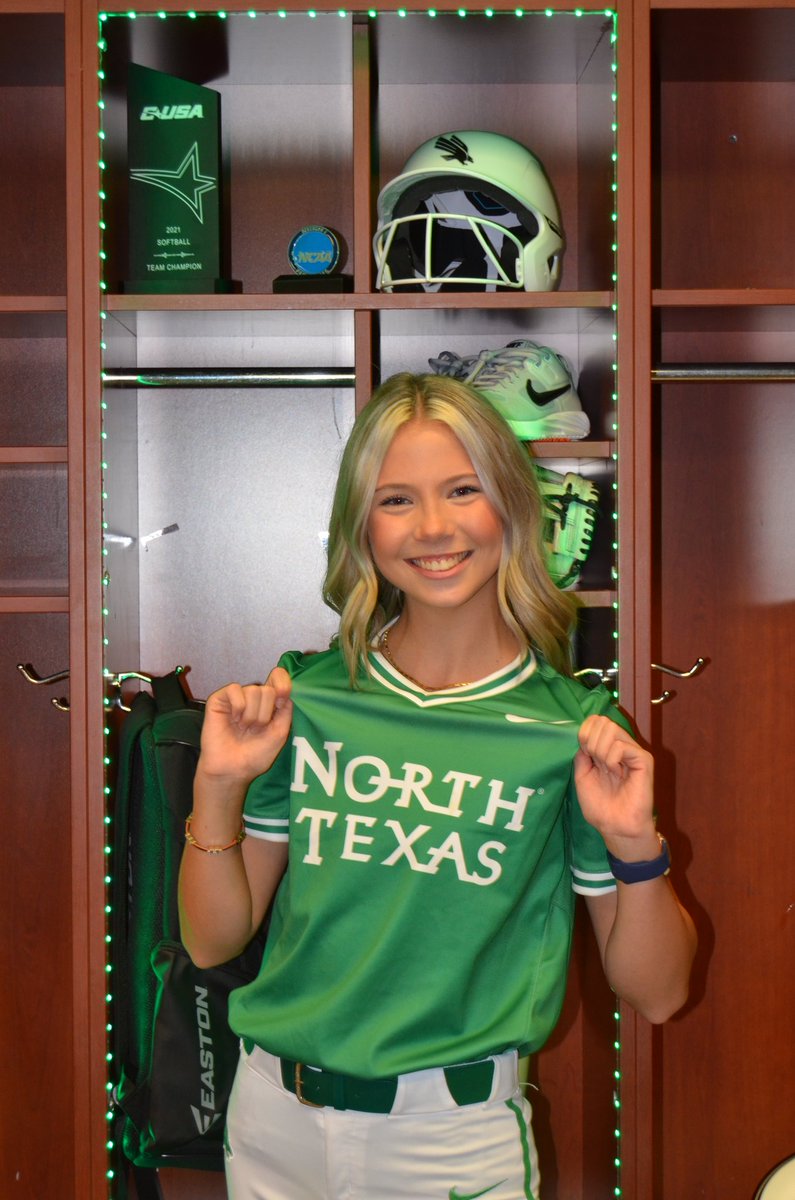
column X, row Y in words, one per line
column 441, row 564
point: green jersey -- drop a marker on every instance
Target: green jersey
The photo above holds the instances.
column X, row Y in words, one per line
column 435, row 846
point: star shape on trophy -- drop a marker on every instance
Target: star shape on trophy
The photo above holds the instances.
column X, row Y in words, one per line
column 186, row 183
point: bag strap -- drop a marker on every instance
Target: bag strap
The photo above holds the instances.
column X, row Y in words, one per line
column 170, row 692
column 147, row 1183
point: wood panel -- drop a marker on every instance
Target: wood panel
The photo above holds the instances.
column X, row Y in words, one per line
column 186, row 1185
column 726, row 757
column 725, row 126
column 36, row 1076
column 32, row 258
column 572, row 1083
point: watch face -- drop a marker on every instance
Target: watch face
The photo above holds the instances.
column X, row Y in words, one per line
column 314, row 251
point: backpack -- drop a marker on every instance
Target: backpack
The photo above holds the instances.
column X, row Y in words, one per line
column 174, row 1055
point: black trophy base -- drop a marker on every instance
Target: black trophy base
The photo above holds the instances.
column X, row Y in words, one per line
column 313, row 283
column 199, row 285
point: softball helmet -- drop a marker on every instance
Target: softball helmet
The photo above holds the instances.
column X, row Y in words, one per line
column 470, row 211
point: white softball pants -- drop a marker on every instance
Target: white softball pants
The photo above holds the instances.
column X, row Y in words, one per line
column 426, row 1148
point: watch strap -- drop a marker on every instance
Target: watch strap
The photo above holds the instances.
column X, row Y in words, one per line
column 639, row 872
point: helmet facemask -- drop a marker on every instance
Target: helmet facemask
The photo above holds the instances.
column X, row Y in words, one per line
column 450, row 238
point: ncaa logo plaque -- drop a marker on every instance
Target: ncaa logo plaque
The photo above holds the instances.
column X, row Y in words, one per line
column 173, row 150
column 314, row 251
column 314, row 254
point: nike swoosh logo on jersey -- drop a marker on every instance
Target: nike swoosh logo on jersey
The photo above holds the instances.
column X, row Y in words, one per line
column 517, row 720
column 456, row 1195
column 542, row 398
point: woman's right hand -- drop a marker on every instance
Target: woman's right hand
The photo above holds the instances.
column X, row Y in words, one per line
column 245, row 727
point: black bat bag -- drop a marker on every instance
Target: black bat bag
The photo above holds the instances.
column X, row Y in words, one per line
column 174, row 1055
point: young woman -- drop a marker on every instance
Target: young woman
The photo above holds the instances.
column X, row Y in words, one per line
column 422, row 800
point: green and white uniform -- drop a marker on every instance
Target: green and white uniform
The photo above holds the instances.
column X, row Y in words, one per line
column 435, row 846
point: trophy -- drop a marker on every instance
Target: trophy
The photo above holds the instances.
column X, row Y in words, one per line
column 173, row 149
column 313, row 254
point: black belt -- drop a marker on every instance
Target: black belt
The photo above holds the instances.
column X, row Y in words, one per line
column 468, row 1083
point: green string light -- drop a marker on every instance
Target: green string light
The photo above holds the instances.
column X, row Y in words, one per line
column 106, row 762
column 617, row 1190
column 253, row 13
column 372, row 14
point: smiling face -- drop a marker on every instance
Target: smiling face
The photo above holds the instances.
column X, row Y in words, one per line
column 433, row 532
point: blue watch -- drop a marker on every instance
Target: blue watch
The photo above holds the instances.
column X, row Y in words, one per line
column 639, row 872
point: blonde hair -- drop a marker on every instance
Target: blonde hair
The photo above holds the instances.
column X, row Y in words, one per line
column 536, row 611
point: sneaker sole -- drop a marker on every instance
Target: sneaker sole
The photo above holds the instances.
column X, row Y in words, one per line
column 565, row 426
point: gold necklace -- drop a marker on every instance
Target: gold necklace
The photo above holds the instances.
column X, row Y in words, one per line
column 383, row 646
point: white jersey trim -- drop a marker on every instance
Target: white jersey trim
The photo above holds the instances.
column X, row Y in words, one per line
column 592, row 883
column 504, row 680
column 518, row 720
column 581, row 890
column 591, row 875
column 269, row 829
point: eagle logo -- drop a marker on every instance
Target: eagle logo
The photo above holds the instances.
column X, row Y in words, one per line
column 452, row 147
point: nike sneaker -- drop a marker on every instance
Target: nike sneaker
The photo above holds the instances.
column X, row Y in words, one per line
column 531, row 387
column 450, row 363
column 570, row 508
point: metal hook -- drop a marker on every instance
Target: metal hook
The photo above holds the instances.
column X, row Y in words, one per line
column 117, row 680
column 120, row 678
column 696, row 668
column 32, row 675
column 606, row 675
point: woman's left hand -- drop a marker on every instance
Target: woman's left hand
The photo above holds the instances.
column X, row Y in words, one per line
column 614, row 777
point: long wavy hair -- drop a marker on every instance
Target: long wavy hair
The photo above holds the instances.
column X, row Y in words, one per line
column 533, row 608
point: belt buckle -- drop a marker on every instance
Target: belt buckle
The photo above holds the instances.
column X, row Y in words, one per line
column 299, row 1088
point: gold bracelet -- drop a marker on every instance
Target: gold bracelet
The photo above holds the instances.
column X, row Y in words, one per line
column 191, row 840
